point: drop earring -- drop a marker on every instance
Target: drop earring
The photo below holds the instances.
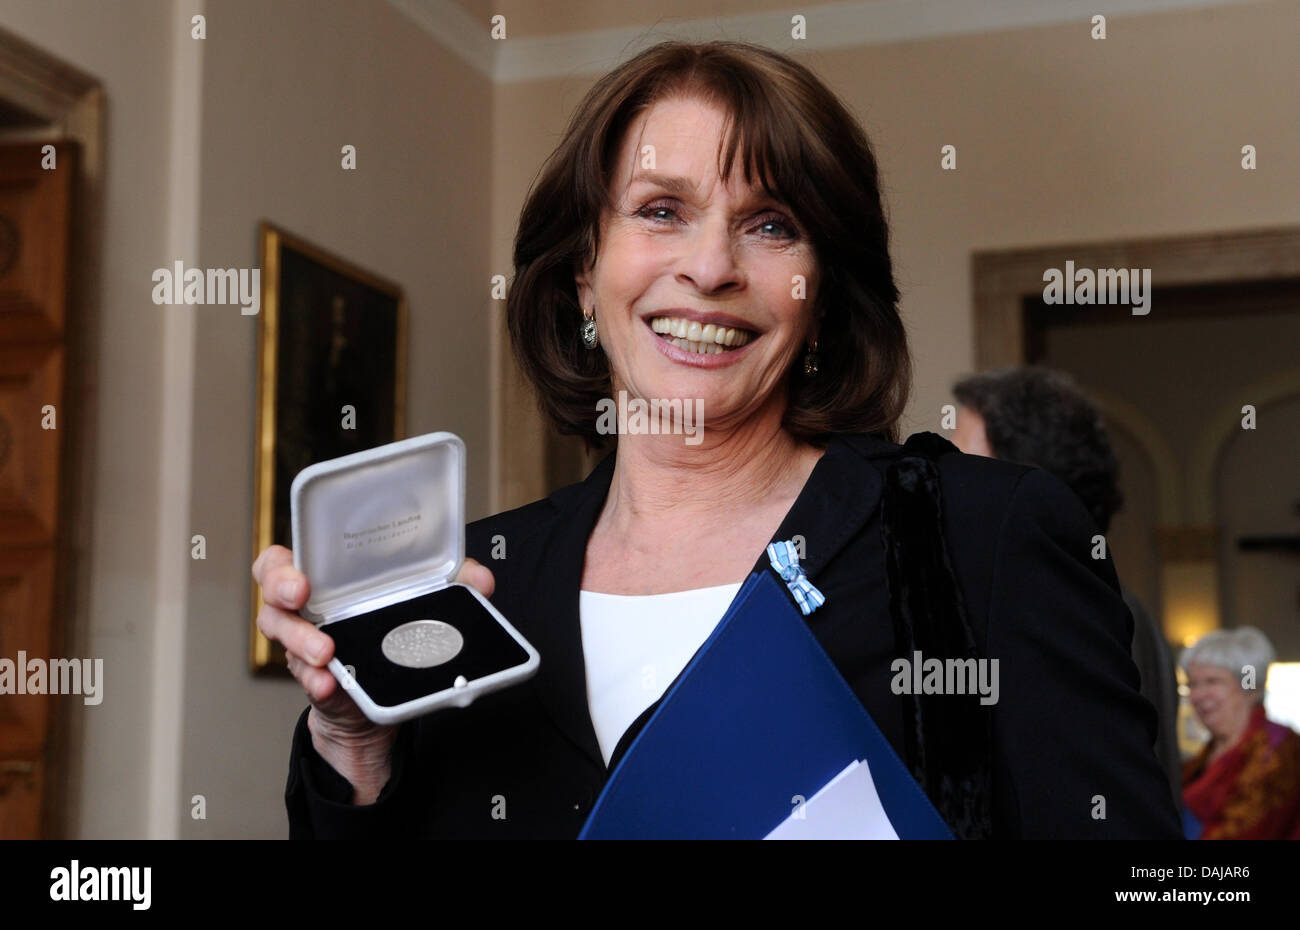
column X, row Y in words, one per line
column 590, row 336
column 810, row 360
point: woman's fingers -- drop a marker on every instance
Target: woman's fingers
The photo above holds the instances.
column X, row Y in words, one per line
column 319, row 683
column 477, row 575
column 334, row 705
column 307, row 649
column 296, row 635
column 282, row 585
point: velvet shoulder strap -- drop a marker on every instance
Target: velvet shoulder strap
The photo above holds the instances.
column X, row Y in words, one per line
column 948, row 736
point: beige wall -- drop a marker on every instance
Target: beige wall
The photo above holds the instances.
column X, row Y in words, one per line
column 526, row 124
column 1062, row 138
column 285, row 85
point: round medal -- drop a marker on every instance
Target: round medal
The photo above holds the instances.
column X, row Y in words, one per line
column 422, row 644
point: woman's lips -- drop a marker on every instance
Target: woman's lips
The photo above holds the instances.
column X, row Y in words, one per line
column 688, row 352
column 692, row 336
column 717, row 318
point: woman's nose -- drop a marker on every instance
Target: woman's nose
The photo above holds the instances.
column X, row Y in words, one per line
column 710, row 260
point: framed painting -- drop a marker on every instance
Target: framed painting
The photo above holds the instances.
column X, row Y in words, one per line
column 331, row 377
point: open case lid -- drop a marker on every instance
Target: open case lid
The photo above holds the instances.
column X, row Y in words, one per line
column 378, row 526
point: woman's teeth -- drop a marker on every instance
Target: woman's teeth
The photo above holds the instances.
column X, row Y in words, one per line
column 692, row 336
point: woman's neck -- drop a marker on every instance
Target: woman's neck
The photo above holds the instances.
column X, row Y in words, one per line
column 661, row 481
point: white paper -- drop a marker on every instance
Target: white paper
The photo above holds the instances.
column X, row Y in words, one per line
column 846, row 808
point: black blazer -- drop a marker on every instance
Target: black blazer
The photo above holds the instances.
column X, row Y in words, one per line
column 1071, row 735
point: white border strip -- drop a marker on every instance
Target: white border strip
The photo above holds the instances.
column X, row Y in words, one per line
column 837, row 25
column 172, row 552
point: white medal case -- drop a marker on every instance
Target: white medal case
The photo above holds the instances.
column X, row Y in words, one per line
column 380, row 535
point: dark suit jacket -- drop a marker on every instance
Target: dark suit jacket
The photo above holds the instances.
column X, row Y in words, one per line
column 1072, row 737
column 1159, row 685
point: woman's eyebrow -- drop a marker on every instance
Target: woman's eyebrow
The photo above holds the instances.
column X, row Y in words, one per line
column 677, row 186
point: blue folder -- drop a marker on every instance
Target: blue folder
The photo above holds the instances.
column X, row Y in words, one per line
column 759, row 715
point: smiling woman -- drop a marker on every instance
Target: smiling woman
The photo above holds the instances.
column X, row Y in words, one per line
column 709, row 236
column 740, row 166
column 1245, row 782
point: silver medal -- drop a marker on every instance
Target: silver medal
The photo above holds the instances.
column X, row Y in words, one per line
column 422, row 644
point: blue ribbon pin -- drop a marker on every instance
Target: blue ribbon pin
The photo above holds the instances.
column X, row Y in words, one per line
column 785, row 562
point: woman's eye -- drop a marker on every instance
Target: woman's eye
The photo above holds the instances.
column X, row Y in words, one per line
column 650, row 209
column 788, row 230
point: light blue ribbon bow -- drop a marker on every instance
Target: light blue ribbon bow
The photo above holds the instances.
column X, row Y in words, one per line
column 785, row 561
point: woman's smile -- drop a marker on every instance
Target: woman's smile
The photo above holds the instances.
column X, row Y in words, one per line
column 702, row 340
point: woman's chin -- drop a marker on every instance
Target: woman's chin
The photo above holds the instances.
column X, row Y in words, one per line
column 685, row 402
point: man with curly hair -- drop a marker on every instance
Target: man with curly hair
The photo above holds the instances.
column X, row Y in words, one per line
column 1039, row 416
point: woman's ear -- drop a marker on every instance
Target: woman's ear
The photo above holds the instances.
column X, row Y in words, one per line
column 584, row 292
column 582, row 283
column 814, row 331
column 583, row 272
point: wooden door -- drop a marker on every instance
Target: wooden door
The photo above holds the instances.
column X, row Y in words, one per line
column 35, row 213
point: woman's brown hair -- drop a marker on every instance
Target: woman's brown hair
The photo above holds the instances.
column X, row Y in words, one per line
column 802, row 146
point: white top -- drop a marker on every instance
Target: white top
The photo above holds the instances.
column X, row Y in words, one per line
column 635, row 645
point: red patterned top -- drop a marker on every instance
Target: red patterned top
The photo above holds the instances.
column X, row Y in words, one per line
column 1252, row 791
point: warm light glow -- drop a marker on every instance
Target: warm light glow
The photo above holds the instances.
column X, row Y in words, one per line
column 1190, row 624
column 1190, row 592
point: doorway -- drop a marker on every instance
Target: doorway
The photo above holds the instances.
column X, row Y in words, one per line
column 1201, row 396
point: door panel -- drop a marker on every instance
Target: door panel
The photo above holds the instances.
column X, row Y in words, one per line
column 34, row 207
column 35, row 216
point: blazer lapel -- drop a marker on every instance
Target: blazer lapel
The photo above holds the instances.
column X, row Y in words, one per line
column 561, row 681
column 841, row 494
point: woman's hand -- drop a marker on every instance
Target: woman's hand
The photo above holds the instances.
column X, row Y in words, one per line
column 343, row 736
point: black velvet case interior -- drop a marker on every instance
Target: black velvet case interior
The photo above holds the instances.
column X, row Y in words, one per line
column 488, row 647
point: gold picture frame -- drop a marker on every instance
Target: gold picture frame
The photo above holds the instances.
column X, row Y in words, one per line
column 328, row 331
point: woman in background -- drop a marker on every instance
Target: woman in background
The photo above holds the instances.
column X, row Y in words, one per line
column 1245, row 783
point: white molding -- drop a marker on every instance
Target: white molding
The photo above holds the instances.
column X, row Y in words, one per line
column 179, row 349
column 457, row 31
column 830, row 26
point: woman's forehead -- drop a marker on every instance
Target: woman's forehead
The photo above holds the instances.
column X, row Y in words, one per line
column 1208, row 671
column 680, row 145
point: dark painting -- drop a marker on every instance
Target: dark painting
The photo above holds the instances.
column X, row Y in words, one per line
column 330, row 378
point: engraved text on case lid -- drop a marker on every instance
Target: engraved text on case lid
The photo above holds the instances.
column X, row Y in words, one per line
column 422, row 644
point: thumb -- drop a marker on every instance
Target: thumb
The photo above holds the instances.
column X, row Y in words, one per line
column 477, row 575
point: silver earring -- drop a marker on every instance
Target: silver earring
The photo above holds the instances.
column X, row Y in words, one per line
column 810, row 360
column 590, row 336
